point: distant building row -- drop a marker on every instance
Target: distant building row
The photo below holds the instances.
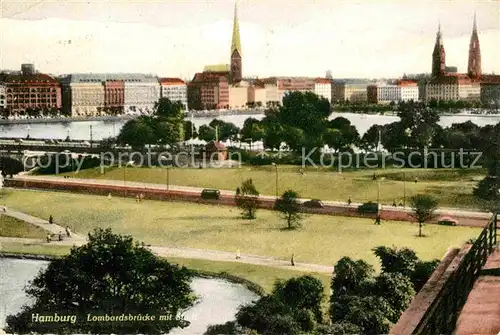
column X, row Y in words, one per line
column 87, row 94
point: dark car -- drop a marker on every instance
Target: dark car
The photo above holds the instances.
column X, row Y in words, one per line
column 368, row 207
column 313, row 203
column 210, row 194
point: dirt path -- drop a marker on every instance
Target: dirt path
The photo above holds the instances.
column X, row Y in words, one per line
column 163, row 251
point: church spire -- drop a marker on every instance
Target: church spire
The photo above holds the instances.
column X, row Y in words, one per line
column 236, row 74
column 439, row 55
column 236, row 43
column 474, row 66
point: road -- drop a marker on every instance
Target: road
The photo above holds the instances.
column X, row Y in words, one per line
column 165, row 251
column 441, row 211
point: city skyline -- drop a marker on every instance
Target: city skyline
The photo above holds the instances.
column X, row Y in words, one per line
column 394, row 38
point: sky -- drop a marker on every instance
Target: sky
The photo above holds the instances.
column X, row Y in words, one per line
column 176, row 38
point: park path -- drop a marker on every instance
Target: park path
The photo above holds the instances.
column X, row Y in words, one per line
column 163, row 251
column 441, row 211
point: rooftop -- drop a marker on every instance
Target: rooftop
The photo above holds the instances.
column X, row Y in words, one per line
column 217, row 68
column 171, row 81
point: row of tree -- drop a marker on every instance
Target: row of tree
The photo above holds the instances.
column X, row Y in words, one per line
column 361, row 303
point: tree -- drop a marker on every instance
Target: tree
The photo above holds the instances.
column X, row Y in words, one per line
column 351, row 277
column 189, row 130
column 137, row 132
column 289, row 208
column 397, row 290
column 423, row 207
column 253, row 129
column 370, row 139
column 370, row 313
column 168, row 131
column 167, row 109
column 304, row 292
column 247, row 199
column 206, row 133
column 110, row 275
column 340, row 328
column 422, row 273
column 394, row 260
column 226, row 130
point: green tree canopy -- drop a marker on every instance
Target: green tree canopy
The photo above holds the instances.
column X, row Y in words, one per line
column 289, row 207
column 247, row 199
column 423, row 207
column 112, row 275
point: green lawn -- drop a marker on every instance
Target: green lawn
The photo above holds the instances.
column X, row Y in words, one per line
column 322, row 239
column 263, row 276
column 12, row 227
column 452, row 187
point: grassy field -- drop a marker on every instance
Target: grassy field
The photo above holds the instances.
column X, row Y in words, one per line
column 263, row 276
column 12, row 227
column 321, row 240
column 452, row 187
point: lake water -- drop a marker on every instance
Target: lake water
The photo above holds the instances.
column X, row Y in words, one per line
column 104, row 129
column 219, row 299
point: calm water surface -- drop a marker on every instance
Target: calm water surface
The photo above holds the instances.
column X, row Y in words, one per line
column 219, row 299
column 105, row 129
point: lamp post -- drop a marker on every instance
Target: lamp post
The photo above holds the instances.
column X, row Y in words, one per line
column 68, row 131
column 168, row 178
column 378, row 194
column 28, row 128
column 276, row 167
column 404, row 189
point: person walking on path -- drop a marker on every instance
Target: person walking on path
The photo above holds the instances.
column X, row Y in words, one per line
column 68, row 232
column 60, row 236
column 238, row 256
column 377, row 219
column 48, row 238
column 291, row 261
column 51, row 219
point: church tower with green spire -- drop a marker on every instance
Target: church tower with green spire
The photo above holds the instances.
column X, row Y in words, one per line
column 236, row 54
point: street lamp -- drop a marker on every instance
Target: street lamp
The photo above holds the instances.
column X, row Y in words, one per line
column 404, row 189
column 129, row 163
column 378, row 194
column 28, row 128
column 276, row 167
column 68, row 131
column 168, row 177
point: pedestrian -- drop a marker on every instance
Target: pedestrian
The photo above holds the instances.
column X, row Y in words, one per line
column 51, row 219
column 349, row 201
column 291, row 261
column 238, row 256
column 141, row 197
column 137, row 198
column 68, row 232
column 60, row 236
column 377, row 219
column 48, row 238
column 394, row 204
column 109, row 196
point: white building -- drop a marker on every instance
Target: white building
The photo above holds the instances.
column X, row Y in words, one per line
column 409, row 91
column 83, row 95
column 388, row 93
column 323, row 88
column 141, row 93
column 174, row 89
column 469, row 91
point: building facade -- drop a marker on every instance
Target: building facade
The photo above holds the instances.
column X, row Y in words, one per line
column 174, row 89
column 114, row 97
column 409, row 90
column 257, row 94
column 142, row 92
column 83, row 95
column 323, row 88
column 30, row 90
column 2, row 96
column 438, row 56
column 209, row 90
column 238, row 95
column 490, row 90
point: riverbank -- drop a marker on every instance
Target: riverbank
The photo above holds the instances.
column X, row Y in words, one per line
column 197, row 272
column 67, row 119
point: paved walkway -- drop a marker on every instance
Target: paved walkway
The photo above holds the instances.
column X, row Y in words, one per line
column 441, row 211
column 163, row 251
